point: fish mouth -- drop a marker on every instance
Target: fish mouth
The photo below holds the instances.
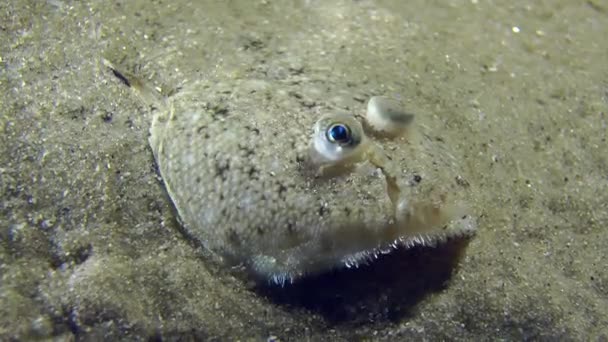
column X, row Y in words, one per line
column 402, row 220
column 354, row 245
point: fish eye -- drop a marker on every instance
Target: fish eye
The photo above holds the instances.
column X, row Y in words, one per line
column 338, row 133
column 338, row 139
column 386, row 116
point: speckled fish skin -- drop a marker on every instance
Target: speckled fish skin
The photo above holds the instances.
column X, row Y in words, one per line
column 233, row 154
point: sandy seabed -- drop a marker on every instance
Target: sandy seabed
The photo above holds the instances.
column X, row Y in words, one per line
column 90, row 247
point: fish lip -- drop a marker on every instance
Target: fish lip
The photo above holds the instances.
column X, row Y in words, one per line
column 318, row 260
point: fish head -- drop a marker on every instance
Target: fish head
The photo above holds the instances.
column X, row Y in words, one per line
column 289, row 190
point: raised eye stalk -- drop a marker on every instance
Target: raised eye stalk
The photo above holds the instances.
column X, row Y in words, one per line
column 339, row 142
column 386, row 117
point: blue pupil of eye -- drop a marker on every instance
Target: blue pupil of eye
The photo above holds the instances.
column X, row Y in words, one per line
column 338, row 133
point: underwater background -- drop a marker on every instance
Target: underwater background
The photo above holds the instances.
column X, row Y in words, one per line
column 90, row 246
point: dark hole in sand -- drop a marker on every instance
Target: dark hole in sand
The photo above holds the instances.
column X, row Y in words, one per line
column 387, row 289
